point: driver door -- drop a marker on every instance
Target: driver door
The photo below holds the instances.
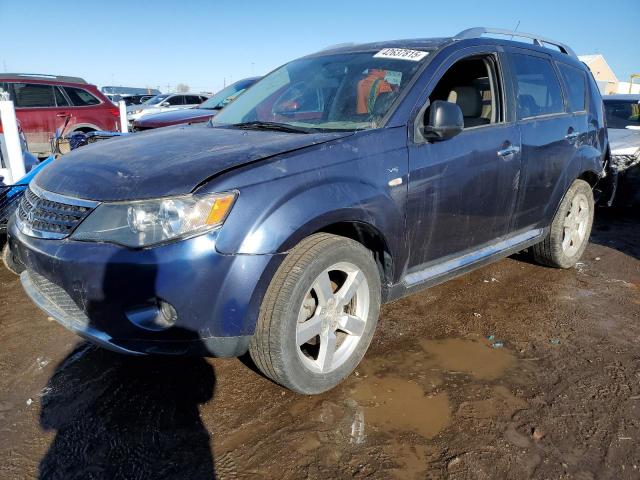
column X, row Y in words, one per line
column 463, row 191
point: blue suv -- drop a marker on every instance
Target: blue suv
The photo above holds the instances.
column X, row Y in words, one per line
column 340, row 181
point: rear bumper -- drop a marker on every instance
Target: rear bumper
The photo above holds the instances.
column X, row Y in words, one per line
column 92, row 289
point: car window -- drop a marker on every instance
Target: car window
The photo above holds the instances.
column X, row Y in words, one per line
column 575, row 82
column 176, row 100
column 472, row 84
column 61, row 100
column 80, row 97
column 537, row 87
column 622, row 113
column 30, row 95
column 192, row 100
column 344, row 91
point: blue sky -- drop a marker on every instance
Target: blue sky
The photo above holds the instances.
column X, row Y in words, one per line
column 204, row 44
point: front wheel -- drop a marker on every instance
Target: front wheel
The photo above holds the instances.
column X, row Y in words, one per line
column 570, row 229
column 318, row 315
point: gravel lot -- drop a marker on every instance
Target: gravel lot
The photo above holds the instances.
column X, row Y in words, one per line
column 513, row 371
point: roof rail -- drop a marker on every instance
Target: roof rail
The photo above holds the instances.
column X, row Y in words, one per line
column 537, row 39
column 43, row 76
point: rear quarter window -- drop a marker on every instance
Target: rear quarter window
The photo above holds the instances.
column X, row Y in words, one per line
column 32, row 95
column 537, row 88
column 80, row 97
column 575, row 82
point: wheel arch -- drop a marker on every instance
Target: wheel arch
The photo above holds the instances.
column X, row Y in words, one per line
column 369, row 237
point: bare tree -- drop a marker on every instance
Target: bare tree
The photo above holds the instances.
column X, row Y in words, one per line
column 182, row 88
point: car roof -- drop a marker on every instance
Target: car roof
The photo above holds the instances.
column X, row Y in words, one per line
column 630, row 97
column 38, row 77
column 469, row 37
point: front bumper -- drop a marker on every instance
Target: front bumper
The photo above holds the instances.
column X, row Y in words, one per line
column 92, row 288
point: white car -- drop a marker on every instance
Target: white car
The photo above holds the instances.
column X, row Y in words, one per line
column 165, row 102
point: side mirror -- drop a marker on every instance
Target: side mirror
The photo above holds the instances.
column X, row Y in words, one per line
column 445, row 121
column 164, row 104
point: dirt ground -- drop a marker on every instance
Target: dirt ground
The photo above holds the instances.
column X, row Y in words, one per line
column 513, row 371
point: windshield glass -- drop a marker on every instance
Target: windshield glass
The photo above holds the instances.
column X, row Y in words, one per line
column 350, row 91
column 225, row 96
column 155, row 100
column 621, row 114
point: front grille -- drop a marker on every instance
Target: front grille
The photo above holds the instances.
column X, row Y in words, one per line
column 45, row 217
column 9, row 199
column 60, row 300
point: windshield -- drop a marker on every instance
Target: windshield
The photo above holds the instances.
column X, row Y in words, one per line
column 351, row 91
column 156, row 100
column 621, row 114
column 225, row 96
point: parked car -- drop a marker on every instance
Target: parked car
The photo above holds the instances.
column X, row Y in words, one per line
column 115, row 94
column 136, row 99
column 623, row 122
column 43, row 102
column 201, row 113
column 165, row 103
column 342, row 180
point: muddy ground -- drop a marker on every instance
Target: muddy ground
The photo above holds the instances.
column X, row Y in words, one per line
column 513, row 371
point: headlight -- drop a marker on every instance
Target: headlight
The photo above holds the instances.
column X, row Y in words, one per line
column 149, row 222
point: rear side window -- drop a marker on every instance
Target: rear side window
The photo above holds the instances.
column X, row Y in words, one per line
column 192, row 100
column 537, row 87
column 80, row 97
column 31, row 95
column 575, row 82
column 621, row 113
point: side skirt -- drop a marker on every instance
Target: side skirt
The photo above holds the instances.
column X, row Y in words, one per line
column 442, row 271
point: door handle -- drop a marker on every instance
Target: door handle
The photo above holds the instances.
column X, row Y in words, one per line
column 63, row 114
column 510, row 150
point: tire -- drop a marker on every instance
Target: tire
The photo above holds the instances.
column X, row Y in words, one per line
column 306, row 298
column 10, row 262
column 570, row 229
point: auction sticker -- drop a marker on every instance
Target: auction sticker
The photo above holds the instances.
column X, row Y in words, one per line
column 401, row 54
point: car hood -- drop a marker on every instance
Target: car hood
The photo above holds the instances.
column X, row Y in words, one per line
column 176, row 116
column 164, row 162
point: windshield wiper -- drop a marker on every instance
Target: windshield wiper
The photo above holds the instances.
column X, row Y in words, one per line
column 281, row 127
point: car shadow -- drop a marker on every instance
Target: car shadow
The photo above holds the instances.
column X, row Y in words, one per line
column 117, row 416
column 618, row 228
column 120, row 417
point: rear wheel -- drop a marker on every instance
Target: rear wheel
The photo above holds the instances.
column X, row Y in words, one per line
column 318, row 315
column 569, row 234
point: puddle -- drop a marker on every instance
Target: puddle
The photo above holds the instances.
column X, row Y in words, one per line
column 474, row 357
column 392, row 403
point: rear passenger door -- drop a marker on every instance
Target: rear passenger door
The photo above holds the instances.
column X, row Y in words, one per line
column 549, row 135
column 82, row 111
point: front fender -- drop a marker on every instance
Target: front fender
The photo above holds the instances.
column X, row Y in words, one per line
column 362, row 178
column 312, row 207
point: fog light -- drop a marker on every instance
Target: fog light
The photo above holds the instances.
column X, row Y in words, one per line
column 157, row 316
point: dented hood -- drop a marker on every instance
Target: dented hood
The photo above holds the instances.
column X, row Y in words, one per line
column 164, row 162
